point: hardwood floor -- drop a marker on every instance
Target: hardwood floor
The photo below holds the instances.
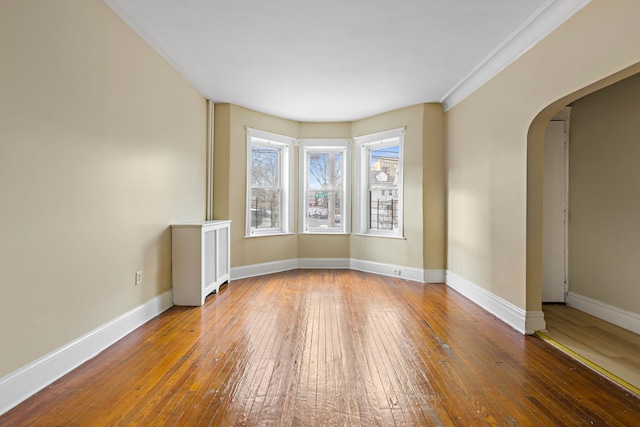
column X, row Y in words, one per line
column 329, row 347
column 612, row 348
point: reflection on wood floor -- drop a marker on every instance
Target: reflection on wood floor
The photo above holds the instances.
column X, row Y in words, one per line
column 614, row 349
column 334, row 348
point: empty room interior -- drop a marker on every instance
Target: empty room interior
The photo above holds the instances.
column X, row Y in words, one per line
column 336, row 213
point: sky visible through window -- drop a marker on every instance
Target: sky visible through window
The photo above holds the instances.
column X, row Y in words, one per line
column 386, row 152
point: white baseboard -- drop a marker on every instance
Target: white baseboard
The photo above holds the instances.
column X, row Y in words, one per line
column 618, row 316
column 519, row 319
column 409, row 273
column 264, row 268
column 338, row 263
column 28, row 380
column 435, row 276
column 534, row 322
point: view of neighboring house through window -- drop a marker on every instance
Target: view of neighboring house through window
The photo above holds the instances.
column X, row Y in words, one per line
column 324, row 186
column 384, row 188
column 269, row 183
column 379, row 184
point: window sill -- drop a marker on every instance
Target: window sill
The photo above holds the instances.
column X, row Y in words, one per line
column 324, row 233
column 384, row 236
column 268, row 235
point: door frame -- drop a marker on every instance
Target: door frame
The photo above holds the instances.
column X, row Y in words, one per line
column 564, row 115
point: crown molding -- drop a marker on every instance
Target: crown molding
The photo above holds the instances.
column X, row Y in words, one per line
column 549, row 17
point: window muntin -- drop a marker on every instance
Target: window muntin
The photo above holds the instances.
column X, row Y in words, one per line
column 324, row 186
column 383, row 188
column 266, row 191
column 379, row 202
column 268, row 183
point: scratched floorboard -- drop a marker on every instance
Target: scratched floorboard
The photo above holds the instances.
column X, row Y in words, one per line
column 334, row 348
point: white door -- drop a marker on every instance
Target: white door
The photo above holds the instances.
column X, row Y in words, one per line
column 554, row 213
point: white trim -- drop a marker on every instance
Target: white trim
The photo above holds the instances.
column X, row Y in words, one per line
column 409, row 273
column 325, row 142
column 618, row 316
column 564, row 115
column 324, row 263
column 550, row 16
column 270, row 136
column 262, row 269
column 285, row 146
column 275, row 233
column 363, row 147
column 435, row 276
column 383, row 236
column 342, row 146
column 380, row 137
column 534, row 322
column 519, row 319
column 28, row 380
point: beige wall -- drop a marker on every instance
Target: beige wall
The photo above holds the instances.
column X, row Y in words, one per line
column 494, row 147
column 315, row 245
column 408, row 251
column 434, row 188
column 230, row 183
column 425, row 126
column 102, row 147
column 604, row 195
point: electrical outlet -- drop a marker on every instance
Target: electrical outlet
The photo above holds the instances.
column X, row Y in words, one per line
column 397, row 271
column 138, row 278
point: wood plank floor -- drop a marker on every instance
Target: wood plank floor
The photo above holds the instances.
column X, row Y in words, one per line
column 329, row 347
column 613, row 348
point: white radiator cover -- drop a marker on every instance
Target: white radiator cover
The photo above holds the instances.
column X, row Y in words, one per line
column 200, row 260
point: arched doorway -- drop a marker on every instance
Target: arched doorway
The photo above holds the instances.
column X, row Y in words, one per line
column 535, row 183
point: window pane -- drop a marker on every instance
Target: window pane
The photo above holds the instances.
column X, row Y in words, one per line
column 325, row 170
column 384, row 178
column 265, row 208
column 324, row 209
column 383, row 211
column 384, row 166
column 265, row 167
column 324, row 175
column 379, row 182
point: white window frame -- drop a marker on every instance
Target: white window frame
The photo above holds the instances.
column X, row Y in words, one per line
column 308, row 146
column 285, row 144
column 363, row 146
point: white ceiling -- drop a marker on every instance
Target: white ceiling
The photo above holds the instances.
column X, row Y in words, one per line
column 340, row 60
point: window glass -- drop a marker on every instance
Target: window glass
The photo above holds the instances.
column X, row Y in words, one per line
column 379, row 183
column 269, row 183
column 266, row 193
column 323, row 187
column 383, row 188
